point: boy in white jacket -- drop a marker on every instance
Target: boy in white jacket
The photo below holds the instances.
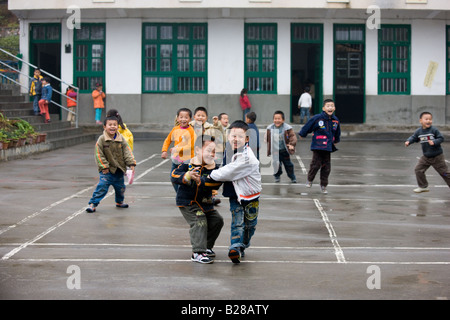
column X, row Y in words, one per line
column 242, row 186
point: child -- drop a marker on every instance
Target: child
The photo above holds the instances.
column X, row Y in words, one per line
column 244, row 102
column 182, row 135
column 281, row 141
column 200, row 123
column 113, row 155
column 220, row 125
column 97, row 96
column 123, row 129
column 243, row 188
column 305, row 104
column 431, row 139
column 36, row 90
column 71, row 104
column 326, row 133
column 45, row 98
column 194, row 198
column 253, row 134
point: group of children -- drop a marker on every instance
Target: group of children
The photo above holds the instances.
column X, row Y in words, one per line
column 206, row 156
column 41, row 92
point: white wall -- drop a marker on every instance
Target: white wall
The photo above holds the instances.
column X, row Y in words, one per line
column 284, row 57
column 123, row 70
column 428, row 43
column 225, row 56
column 371, row 63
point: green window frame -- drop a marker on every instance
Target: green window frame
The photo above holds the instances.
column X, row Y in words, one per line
column 174, row 58
column 448, row 60
column 89, row 56
column 260, row 45
column 394, row 59
column 45, row 33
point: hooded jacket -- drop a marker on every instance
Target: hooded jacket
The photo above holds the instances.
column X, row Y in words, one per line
column 326, row 131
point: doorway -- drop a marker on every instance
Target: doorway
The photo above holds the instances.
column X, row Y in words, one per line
column 349, row 74
column 306, row 66
column 45, row 53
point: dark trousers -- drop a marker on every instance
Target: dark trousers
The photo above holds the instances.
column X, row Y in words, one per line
column 321, row 160
column 285, row 160
column 438, row 163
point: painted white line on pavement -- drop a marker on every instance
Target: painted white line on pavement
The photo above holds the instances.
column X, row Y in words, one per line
column 337, row 249
column 57, row 225
column 301, row 164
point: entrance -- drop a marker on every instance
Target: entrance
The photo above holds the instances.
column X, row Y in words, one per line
column 45, row 53
column 349, row 73
column 306, row 66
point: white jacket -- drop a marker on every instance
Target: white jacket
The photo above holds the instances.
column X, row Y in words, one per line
column 243, row 171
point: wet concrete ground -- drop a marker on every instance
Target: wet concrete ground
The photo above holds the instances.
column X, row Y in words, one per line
column 369, row 238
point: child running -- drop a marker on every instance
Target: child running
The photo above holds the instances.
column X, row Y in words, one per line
column 431, row 139
column 194, row 198
column 113, row 155
column 242, row 187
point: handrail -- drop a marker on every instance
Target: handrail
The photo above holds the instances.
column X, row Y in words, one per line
column 47, row 73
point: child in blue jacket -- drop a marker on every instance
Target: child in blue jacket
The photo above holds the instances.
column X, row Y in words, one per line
column 326, row 133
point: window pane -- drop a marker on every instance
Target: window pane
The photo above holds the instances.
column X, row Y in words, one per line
column 199, row 50
column 52, row 32
column 183, row 84
column 38, row 32
column 267, row 84
column 97, row 32
column 95, row 80
column 252, row 51
column 268, row 65
column 341, row 33
column 150, row 50
column 166, row 32
column 151, row 32
column 253, row 84
column 183, row 33
column 199, row 33
column 83, row 83
column 267, row 33
column 356, row 33
column 199, row 65
column 198, row 83
column 82, row 65
column 82, row 34
column 402, row 52
column 150, row 65
column 252, row 65
column 165, row 84
column 97, row 51
column 268, row 51
column 252, row 33
column 151, row 84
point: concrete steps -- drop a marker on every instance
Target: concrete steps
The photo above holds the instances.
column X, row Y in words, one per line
column 60, row 134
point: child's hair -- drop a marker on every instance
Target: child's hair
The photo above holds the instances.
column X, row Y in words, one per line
column 184, row 110
column 201, row 139
column 307, row 89
column 46, row 79
column 243, row 91
column 424, row 113
column 201, row 109
column 279, row 112
column 326, row 101
column 251, row 116
column 110, row 118
column 221, row 115
column 115, row 113
column 239, row 124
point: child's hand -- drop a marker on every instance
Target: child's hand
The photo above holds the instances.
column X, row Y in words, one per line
column 215, row 120
column 164, row 155
column 195, row 175
column 132, row 168
column 406, row 143
column 105, row 171
column 290, row 147
column 431, row 142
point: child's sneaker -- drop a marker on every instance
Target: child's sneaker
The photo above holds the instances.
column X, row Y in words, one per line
column 234, row 255
column 210, row 253
column 324, row 189
column 419, row 190
column 90, row 208
column 277, row 179
column 308, row 184
column 294, row 180
column 121, row 205
column 201, row 258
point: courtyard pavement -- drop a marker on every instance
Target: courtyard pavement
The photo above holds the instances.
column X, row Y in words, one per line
column 370, row 238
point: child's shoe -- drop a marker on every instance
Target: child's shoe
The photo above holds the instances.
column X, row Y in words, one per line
column 121, row 205
column 277, row 179
column 324, row 189
column 201, row 258
column 90, row 208
column 308, row 184
column 210, row 253
column 294, row 180
column 419, row 190
column 234, row 255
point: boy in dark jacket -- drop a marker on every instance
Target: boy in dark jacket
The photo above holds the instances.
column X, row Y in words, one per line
column 326, row 133
column 194, row 198
column 430, row 138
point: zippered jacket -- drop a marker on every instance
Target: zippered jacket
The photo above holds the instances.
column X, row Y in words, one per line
column 243, row 171
column 189, row 192
column 47, row 91
column 113, row 153
column 326, row 132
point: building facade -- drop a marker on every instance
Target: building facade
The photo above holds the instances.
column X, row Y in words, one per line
column 382, row 61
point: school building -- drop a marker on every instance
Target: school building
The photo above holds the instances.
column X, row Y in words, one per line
column 382, row 61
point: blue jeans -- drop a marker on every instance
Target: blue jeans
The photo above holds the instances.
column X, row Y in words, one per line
column 36, row 109
column 304, row 112
column 116, row 180
column 244, row 112
column 244, row 217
